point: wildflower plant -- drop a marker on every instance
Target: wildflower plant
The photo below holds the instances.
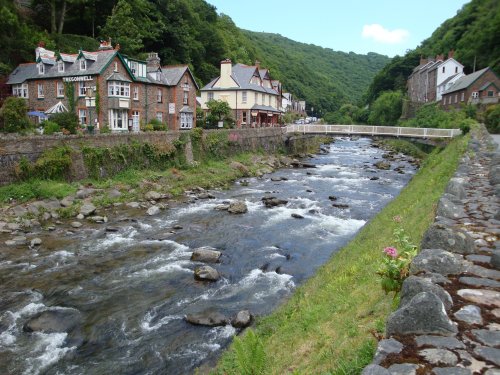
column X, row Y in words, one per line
column 395, row 266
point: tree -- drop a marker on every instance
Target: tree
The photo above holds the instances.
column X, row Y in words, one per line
column 386, row 110
column 13, row 115
column 219, row 110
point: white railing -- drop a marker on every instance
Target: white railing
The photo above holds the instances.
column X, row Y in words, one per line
column 374, row 130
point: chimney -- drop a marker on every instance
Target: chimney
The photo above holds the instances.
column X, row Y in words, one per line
column 117, row 47
column 226, row 69
column 257, row 64
column 451, row 53
column 105, row 45
column 439, row 57
column 423, row 60
column 153, row 61
column 40, row 49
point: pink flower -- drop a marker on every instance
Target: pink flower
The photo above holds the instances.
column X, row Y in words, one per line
column 397, row 219
column 391, row 251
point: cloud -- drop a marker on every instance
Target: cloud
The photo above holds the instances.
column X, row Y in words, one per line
column 380, row 34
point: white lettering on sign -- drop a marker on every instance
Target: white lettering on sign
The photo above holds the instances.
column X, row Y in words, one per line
column 171, row 108
column 77, row 79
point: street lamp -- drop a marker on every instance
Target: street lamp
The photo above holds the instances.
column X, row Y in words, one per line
column 90, row 102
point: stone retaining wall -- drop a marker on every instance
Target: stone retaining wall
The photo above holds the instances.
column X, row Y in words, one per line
column 13, row 148
column 448, row 320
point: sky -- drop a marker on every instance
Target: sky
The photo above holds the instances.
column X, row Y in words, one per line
column 388, row 27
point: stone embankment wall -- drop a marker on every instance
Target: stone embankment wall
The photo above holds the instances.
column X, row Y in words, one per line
column 13, row 148
column 448, row 320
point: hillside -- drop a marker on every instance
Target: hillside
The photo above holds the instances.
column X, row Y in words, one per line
column 184, row 31
column 473, row 33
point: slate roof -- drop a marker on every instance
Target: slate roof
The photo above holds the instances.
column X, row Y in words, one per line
column 486, row 85
column 258, row 107
column 22, row 73
column 115, row 76
column 466, row 81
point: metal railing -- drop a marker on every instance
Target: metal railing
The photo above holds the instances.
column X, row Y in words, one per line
column 374, row 130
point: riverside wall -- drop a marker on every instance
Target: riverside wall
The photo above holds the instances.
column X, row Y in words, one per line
column 448, row 320
column 13, row 148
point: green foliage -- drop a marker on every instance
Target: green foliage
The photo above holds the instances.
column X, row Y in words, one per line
column 157, row 125
column 347, row 114
column 35, row 189
column 50, row 127
column 53, row 164
column 66, row 120
column 433, row 116
column 250, row 358
column 219, row 110
column 492, row 119
column 13, row 115
column 386, row 110
column 216, row 143
column 104, row 129
column 69, row 91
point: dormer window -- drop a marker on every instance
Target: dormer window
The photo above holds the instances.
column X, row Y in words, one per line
column 133, row 67
column 116, row 66
column 60, row 66
column 41, row 68
column 83, row 64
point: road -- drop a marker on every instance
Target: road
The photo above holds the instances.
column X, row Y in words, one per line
column 496, row 138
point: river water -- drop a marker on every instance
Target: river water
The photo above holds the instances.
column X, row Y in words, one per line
column 133, row 287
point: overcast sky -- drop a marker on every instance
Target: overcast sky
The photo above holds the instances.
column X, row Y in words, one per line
column 389, row 27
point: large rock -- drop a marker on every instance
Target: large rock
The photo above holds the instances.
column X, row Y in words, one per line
column 382, row 165
column 67, row 201
column 206, row 254
column 85, row 193
column 456, row 187
column 451, row 371
column 439, row 342
column 414, row 285
column 438, row 261
column 449, row 209
column 87, row 209
column 207, row 318
column 439, row 357
column 441, row 237
column 240, row 167
column 206, row 273
column 487, row 337
column 470, row 314
column 488, row 354
column 386, row 347
column 495, row 259
column 242, row 319
column 152, row 195
column 54, row 321
column 153, row 210
column 273, row 202
column 237, row 207
column 375, row 370
column 481, row 296
column 423, row 315
column 404, row 369
column 495, row 175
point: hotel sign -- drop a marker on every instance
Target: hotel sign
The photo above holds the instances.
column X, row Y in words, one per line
column 77, row 79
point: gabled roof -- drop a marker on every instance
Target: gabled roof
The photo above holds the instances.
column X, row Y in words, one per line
column 174, row 73
column 464, row 82
column 449, row 79
column 22, row 73
column 486, row 85
column 115, row 76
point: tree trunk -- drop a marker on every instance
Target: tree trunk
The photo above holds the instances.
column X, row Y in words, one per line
column 52, row 5
column 61, row 19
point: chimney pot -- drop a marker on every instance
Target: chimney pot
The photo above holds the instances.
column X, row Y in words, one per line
column 153, row 61
column 451, row 53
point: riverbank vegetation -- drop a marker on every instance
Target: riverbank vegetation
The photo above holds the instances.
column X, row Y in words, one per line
column 329, row 324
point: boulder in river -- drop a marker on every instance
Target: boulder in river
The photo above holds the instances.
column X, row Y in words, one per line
column 237, row 207
column 340, row 205
column 273, row 202
column 51, row 321
column 87, row 209
column 242, row 319
column 206, row 273
column 208, row 317
column 382, row 165
column 206, row 254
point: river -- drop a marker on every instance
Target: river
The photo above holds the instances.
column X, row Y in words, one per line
column 132, row 288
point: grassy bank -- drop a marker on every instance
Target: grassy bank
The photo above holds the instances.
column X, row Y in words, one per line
column 326, row 327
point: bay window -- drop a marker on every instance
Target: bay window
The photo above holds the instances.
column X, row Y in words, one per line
column 20, row 91
column 121, row 89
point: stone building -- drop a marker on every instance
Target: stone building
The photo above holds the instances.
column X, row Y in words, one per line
column 481, row 87
column 107, row 88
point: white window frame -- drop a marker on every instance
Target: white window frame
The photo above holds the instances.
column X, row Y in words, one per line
column 82, row 116
column 475, row 95
column 136, row 93
column 82, row 88
column 186, row 120
column 136, row 116
column 134, row 67
column 119, row 89
column 185, row 99
column 83, row 64
column 159, row 116
column 118, row 117
column 492, row 94
column 60, row 66
column 41, row 68
column 40, row 91
column 244, row 117
column 210, row 96
column 21, row 90
column 462, row 96
column 244, row 97
column 456, row 98
column 159, row 96
column 60, row 90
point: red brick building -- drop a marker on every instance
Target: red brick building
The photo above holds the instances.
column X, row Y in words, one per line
column 125, row 93
column 481, row 87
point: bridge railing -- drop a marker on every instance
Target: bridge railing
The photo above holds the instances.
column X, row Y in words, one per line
column 374, row 130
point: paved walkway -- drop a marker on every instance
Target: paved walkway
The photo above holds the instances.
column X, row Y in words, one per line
column 496, row 138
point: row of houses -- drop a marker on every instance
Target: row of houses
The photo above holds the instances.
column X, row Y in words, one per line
column 443, row 80
column 107, row 87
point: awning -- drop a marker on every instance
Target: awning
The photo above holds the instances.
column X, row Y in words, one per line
column 41, row 115
column 58, row 108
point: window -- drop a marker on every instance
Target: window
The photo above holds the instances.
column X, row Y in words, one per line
column 82, row 116
column 117, row 119
column 186, row 120
column 210, row 96
column 40, row 90
column 41, row 68
column 133, row 67
column 456, row 69
column 244, row 97
column 159, row 116
column 443, row 69
column 83, row 64
column 159, row 96
column 60, row 90
column 456, row 98
column 186, row 97
column 135, row 121
column 256, row 97
column 116, row 67
column 462, row 96
column 20, row 91
column 244, row 119
column 60, row 66
column 116, row 88
column 136, row 93
column 449, row 99
column 269, row 100
column 82, row 89
column 490, row 93
column 475, row 95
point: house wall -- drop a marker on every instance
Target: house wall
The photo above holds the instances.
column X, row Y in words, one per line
column 176, row 96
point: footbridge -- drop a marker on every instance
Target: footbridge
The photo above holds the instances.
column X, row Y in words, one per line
column 371, row 130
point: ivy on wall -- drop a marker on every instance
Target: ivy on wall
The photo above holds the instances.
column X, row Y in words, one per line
column 53, row 164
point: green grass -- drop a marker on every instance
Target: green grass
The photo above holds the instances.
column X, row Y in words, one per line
column 405, row 147
column 36, row 189
column 325, row 327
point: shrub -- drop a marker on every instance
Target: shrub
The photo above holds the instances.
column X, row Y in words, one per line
column 13, row 115
column 50, row 127
column 465, row 125
column 386, row 110
column 492, row 119
column 148, row 128
column 66, row 120
column 53, row 164
column 157, row 125
column 104, row 129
